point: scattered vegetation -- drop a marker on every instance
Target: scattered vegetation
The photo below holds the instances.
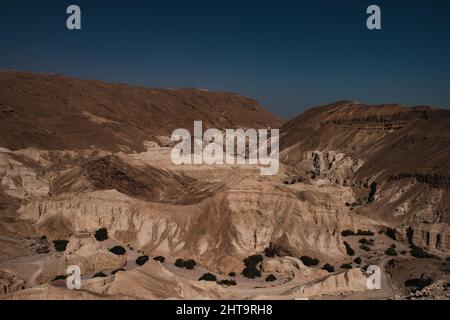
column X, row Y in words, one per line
column 390, row 251
column 364, row 247
column 404, row 252
column 232, row 274
column 208, row 277
column 140, row 261
column 118, row 250
column 367, row 242
column 160, row 259
column 251, row 270
column 101, row 234
column 188, row 264
column 227, row 282
column 349, row 249
column 308, row 261
column 60, row 245
column 357, row 260
column 271, row 278
column 419, row 252
column 346, row 266
column 328, row 267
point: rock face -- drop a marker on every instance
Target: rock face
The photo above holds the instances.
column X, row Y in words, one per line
column 392, row 157
column 381, row 170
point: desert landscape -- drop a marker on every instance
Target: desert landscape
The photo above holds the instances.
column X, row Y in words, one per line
column 87, row 180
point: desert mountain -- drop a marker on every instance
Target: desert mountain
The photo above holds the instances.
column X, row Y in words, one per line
column 87, row 180
column 58, row 113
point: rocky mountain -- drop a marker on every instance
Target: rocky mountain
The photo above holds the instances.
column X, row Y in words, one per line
column 87, row 180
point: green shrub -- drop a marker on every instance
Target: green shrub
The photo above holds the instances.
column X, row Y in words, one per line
column 357, row 260
column 390, row 251
column 328, row 267
column 347, row 233
column 232, row 274
column 349, row 249
column 366, row 233
column 188, row 264
column 226, row 282
column 118, row 250
column 251, row 272
column 253, row 260
column 60, row 245
column 366, row 241
column 208, row 277
column 101, row 234
column 140, row 261
column 308, row 261
column 160, row 259
column 346, row 266
column 271, row 278
column 364, row 247
column 419, row 252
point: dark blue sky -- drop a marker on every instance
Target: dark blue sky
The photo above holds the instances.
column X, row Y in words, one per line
column 289, row 55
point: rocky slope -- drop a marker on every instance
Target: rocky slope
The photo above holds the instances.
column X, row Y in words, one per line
column 358, row 186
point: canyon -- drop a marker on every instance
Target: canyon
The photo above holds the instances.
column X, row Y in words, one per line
column 357, row 185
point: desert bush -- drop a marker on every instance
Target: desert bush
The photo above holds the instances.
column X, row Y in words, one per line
column 308, row 261
column 118, row 250
column 328, row 267
column 179, row 263
column 253, row 260
column 101, row 234
column 419, row 252
column 349, row 249
column 419, row 284
column 364, row 247
column 100, row 275
column 357, row 260
column 390, row 251
column 366, row 241
column 271, row 278
column 60, row 245
column 140, row 261
column 403, row 252
column 208, row 277
column 160, row 259
column 232, row 274
column 346, row 266
column 251, row 272
column 347, row 233
column 366, row 233
column 188, row 264
column 227, row 282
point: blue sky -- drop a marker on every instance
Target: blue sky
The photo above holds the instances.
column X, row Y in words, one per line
column 289, row 55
